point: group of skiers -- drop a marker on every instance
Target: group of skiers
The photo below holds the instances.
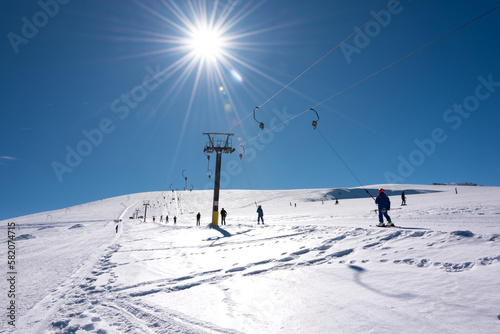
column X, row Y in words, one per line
column 223, row 214
column 383, row 202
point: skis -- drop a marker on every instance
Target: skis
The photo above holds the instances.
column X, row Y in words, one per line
column 376, row 210
column 384, row 226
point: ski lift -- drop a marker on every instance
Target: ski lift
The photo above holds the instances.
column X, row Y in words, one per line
column 261, row 125
column 209, row 171
column 185, row 179
column 315, row 123
column 243, row 152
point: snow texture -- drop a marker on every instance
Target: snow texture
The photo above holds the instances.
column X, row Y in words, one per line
column 316, row 267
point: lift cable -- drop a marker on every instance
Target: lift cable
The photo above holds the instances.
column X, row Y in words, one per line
column 352, row 86
column 246, row 174
column 188, row 166
column 261, row 125
column 376, row 73
column 408, row 55
column 345, row 164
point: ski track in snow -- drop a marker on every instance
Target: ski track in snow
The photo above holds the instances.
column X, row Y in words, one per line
column 91, row 303
column 109, row 291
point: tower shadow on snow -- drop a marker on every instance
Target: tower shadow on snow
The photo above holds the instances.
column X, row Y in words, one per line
column 222, row 231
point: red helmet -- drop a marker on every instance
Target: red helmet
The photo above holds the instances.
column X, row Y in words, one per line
column 381, row 191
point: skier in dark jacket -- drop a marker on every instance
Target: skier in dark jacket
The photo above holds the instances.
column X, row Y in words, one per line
column 198, row 216
column 384, row 205
column 223, row 214
column 261, row 215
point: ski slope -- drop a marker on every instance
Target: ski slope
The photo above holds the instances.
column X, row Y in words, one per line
column 314, row 267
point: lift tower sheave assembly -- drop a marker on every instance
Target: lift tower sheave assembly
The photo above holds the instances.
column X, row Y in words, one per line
column 218, row 143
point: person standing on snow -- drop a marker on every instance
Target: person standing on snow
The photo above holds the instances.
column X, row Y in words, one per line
column 261, row 215
column 223, row 214
column 198, row 216
column 384, row 205
column 403, row 198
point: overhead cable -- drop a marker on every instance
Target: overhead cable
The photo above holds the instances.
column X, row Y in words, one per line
column 377, row 72
column 313, row 65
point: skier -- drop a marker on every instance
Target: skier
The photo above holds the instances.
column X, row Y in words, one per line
column 166, row 219
column 198, row 216
column 175, row 220
column 261, row 215
column 116, row 228
column 223, row 214
column 384, row 205
column 403, row 198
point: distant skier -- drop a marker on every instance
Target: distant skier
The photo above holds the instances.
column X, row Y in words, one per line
column 166, row 219
column 261, row 215
column 403, row 198
column 175, row 220
column 161, row 218
column 223, row 214
column 384, row 205
column 198, row 217
column 116, row 228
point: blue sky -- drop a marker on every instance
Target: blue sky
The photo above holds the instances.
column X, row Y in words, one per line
column 102, row 99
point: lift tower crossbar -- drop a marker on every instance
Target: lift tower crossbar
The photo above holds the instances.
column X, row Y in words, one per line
column 218, row 143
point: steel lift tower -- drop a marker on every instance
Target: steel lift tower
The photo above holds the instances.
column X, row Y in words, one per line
column 218, row 143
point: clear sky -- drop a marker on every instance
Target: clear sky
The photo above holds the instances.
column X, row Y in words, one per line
column 105, row 98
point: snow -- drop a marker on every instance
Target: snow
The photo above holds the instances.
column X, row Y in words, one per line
column 315, row 267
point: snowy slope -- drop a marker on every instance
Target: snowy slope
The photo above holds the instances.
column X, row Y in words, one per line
column 315, row 267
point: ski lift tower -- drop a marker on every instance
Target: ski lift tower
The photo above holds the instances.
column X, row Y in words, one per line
column 146, row 204
column 218, row 143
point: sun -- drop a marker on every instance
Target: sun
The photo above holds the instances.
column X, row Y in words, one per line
column 206, row 43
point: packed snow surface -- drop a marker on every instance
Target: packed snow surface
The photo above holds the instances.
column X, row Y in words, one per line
column 314, row 267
